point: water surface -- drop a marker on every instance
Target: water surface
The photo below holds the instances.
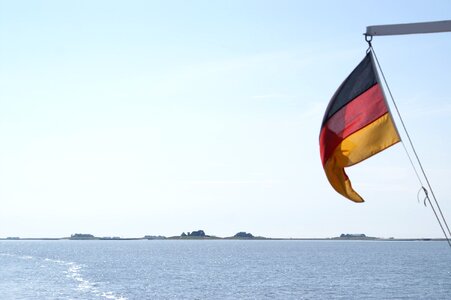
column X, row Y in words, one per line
column 224, row 269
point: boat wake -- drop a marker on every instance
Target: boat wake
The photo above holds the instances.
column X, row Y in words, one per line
column 74, row 272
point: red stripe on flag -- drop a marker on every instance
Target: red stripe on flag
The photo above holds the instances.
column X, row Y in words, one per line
column 358, row 113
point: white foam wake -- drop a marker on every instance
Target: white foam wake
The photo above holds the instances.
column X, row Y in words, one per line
column 17, row 256
column 74, row 271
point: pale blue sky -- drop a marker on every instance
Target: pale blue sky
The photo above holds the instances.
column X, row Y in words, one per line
column 157, row 117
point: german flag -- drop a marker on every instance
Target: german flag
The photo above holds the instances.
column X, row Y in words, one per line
column 357, row 124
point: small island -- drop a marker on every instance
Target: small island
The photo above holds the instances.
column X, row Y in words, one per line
column 243, row 235
column 354, row 236
column 82, row 236
column 198, row 234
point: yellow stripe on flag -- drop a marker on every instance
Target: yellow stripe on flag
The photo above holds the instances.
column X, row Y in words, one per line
column 357, row 147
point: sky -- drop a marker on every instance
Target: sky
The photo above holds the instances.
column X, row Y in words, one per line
column 133, row 118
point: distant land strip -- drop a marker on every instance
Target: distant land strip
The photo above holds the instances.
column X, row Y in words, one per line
column 200, row 235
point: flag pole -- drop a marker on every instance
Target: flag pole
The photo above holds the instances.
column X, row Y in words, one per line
column 437, row 211
column 409, row 28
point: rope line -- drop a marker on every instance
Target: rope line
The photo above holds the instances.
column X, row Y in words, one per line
column 422, row 189
column 439, row 216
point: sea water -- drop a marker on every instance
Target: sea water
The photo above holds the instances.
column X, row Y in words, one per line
column 224, row 269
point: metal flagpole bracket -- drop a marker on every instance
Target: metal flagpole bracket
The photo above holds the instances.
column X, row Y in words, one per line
column 368, row 39
column 409, row 28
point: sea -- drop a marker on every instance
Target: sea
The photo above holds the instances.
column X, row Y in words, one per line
column 224, row 269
